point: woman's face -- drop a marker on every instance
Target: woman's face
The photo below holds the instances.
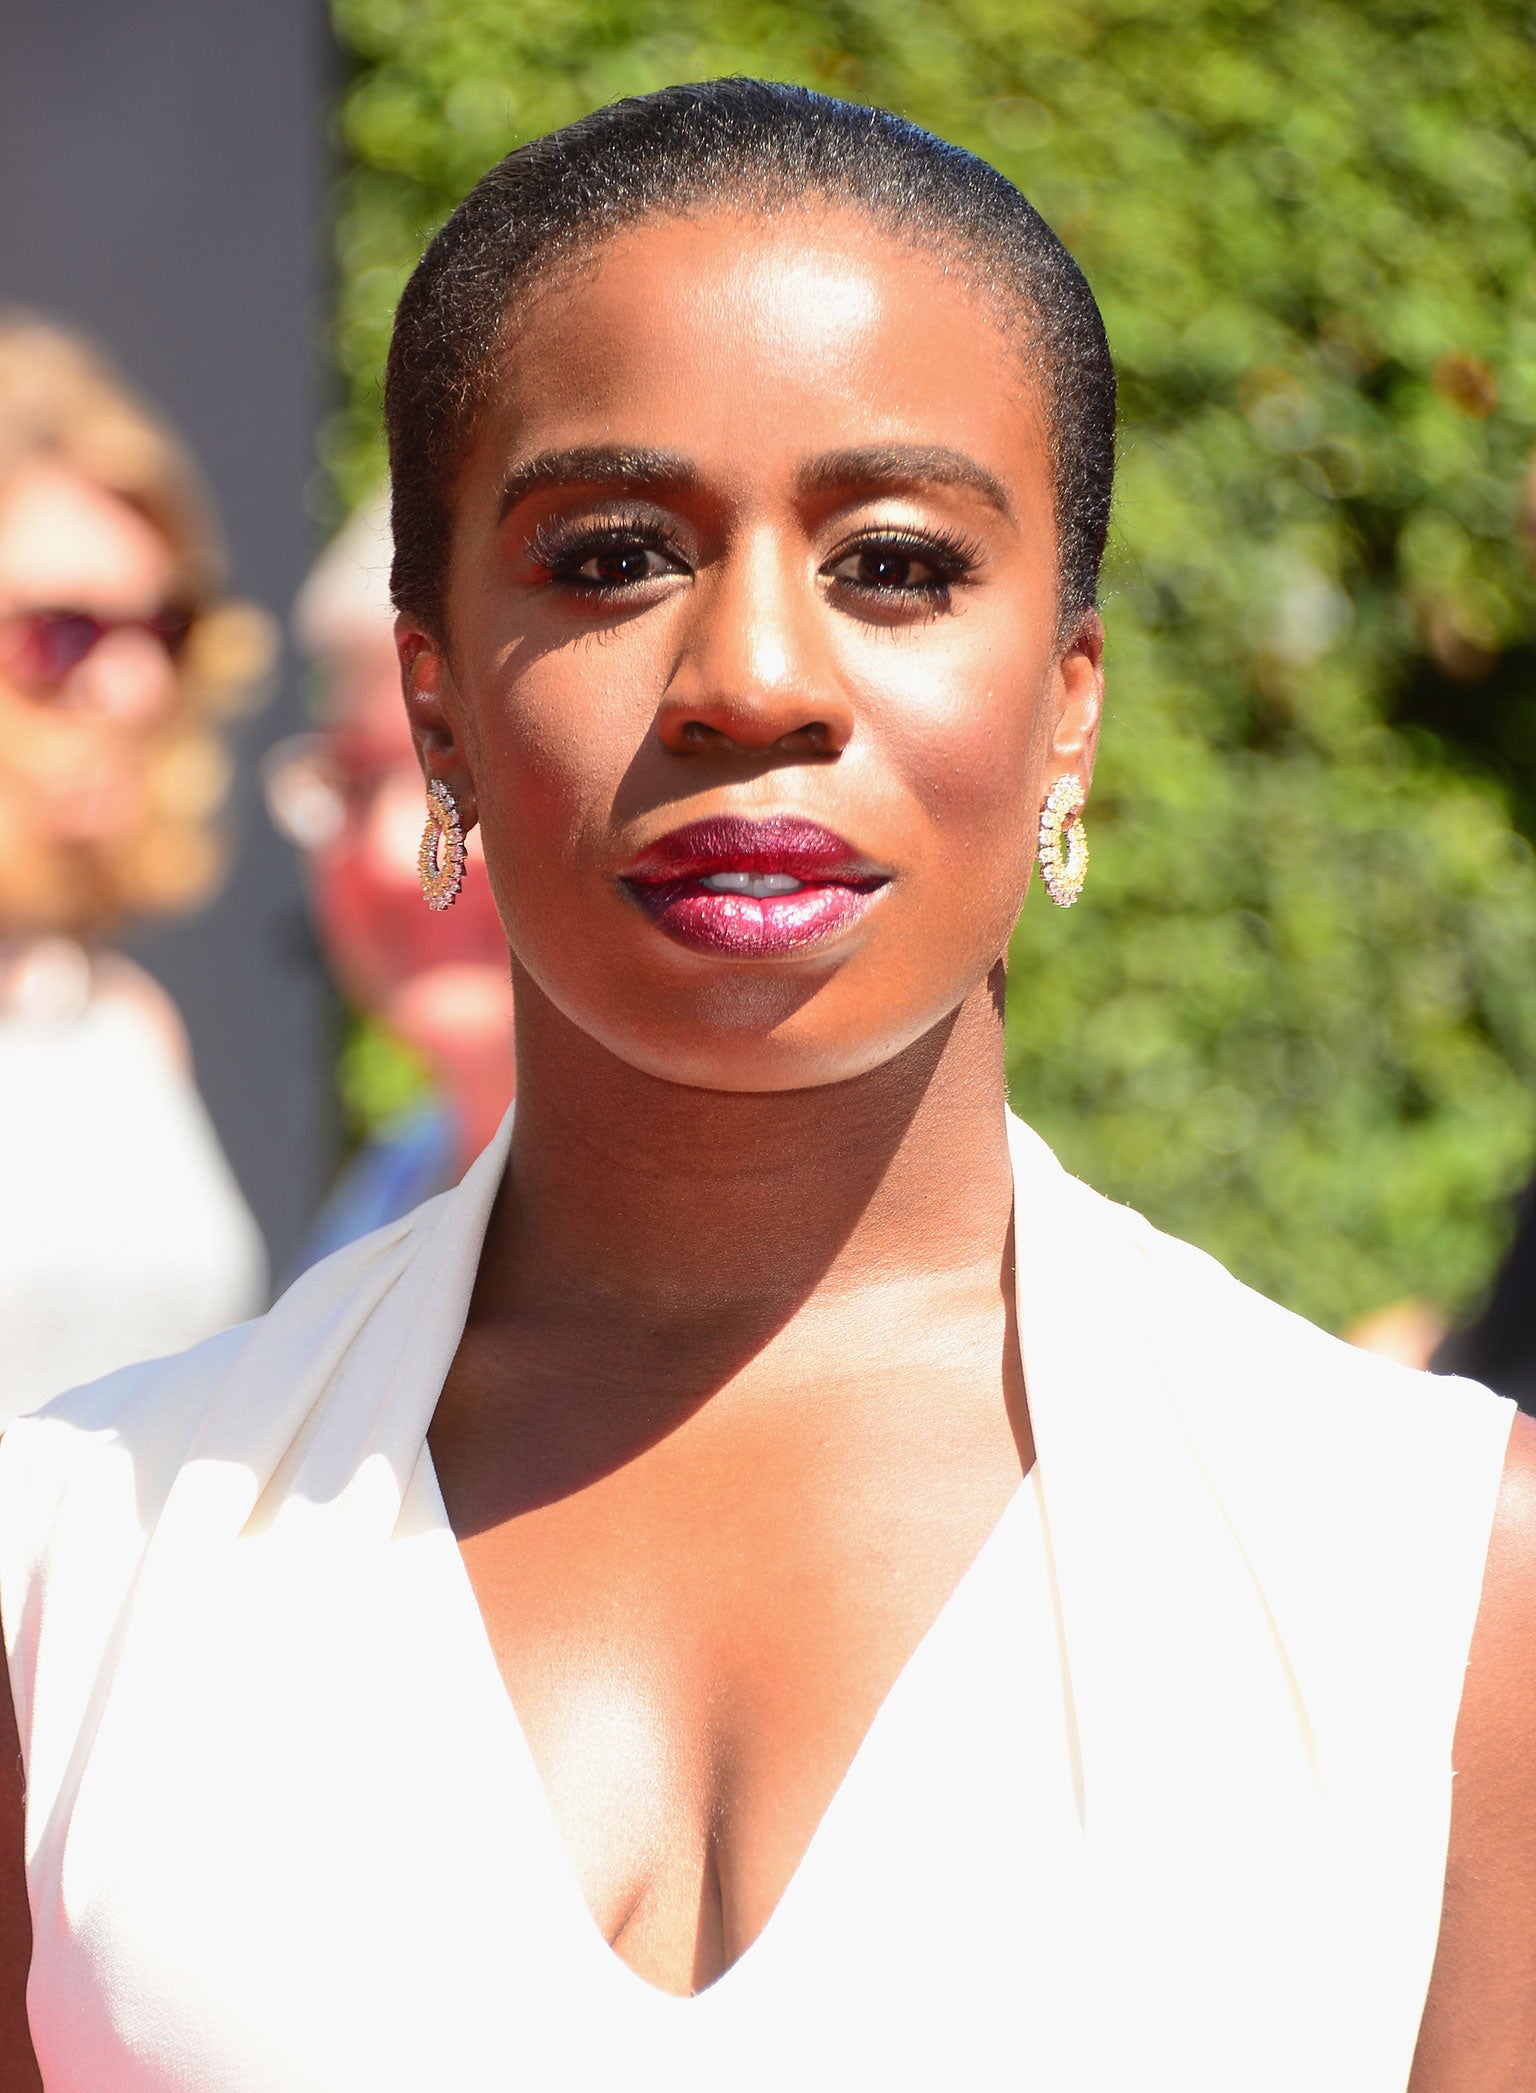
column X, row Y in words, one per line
column 74, row 732
column 753, row 679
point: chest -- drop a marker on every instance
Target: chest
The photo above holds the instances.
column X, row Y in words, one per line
column 695, row 1647
column 339, row 1866
column 350, row 1872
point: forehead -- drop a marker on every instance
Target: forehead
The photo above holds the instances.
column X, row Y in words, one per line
column 746, row 339
column 68, row 543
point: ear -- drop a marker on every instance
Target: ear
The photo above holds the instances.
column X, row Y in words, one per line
column 1078, row 701
column 432, row 708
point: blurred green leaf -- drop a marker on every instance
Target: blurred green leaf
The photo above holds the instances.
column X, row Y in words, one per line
column 378, row 1077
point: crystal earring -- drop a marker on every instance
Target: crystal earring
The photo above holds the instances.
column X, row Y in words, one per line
column 1063, row 850
column 440, row 861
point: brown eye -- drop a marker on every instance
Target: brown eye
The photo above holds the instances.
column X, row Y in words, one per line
column 605, row 559
column 887, row 567
column 622, row 566
column 901, row 567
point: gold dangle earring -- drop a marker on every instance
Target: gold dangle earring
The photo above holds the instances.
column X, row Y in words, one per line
column 440, row 861
column 1063, row 850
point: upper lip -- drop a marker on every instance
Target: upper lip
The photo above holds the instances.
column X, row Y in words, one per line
column 780, row 843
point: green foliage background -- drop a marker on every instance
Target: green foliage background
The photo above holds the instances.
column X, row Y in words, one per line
column 1294, row 1017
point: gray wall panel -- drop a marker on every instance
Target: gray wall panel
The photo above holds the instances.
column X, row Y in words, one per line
column 162, row 174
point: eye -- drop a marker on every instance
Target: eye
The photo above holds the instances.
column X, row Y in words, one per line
column 895, row 567
column 886, row 567
column 620, row 565
column 604, row 559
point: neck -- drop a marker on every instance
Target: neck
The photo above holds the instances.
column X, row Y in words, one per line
column 670, row 1201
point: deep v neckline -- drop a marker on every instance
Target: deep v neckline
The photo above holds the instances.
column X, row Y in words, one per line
column 433, row 1514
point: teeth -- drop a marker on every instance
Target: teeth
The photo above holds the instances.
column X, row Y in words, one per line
column 761, row 886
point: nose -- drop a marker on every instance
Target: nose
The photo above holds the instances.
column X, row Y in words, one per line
column 127, row 678
column 754, row 671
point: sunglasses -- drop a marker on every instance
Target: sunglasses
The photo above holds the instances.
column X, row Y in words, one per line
column 40, row 649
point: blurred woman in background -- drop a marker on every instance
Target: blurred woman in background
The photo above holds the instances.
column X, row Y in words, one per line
column 349, row 796
column 124, row 1234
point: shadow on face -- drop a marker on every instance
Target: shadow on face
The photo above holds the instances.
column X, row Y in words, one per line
column 753, row 676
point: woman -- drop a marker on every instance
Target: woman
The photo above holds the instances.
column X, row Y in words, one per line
column 612, row 1628
column 125, row 1233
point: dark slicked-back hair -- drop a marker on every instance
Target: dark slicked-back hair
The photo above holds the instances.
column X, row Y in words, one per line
column 721, row 143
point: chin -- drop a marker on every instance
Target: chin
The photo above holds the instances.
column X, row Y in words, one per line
column 751, row 1026
column 758, row 1036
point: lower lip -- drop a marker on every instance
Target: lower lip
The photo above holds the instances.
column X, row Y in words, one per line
column 740, row 926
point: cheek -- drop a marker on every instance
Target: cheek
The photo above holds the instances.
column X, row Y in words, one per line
column 550, row 755
column 963, row 739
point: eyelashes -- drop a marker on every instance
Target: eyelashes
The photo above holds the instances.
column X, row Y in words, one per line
column 565, row 549
column 882, row 563
column 621, row 556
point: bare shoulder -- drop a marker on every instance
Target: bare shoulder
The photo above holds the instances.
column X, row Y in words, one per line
column 1479, row 2029
column 18, row 2065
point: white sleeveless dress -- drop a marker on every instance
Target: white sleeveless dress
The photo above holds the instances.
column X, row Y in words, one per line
column 1161, row 1799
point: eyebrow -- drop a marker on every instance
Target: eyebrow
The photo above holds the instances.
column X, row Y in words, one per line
column 905, row 465
column 598, row 465
column 891, row 467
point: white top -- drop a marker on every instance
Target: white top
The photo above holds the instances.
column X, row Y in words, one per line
column 123, row 1235
column 1161, row 1798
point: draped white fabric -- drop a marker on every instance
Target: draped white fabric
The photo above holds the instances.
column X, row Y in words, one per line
column 1161, row 1800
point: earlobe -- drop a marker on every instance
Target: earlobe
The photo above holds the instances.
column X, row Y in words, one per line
column 1080, row 698
column 422, row 675
column 430, row 705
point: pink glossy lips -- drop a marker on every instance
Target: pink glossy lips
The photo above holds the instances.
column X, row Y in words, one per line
column 752, row 889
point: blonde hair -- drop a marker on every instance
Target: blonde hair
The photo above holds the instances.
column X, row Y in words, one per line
column 61, row 400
